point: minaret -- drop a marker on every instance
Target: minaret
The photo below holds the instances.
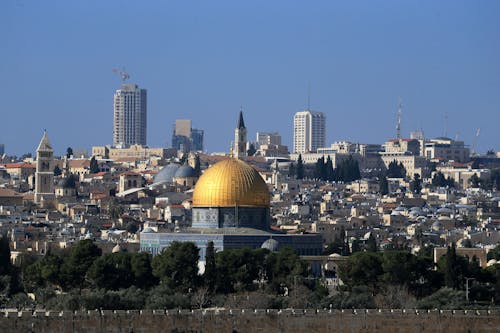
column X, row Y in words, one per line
column 44, row 176
column 240, row 138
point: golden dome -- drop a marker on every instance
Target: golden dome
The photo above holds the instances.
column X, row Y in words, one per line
column 230, row 183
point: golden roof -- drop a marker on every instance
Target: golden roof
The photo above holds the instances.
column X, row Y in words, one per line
column 230, row 183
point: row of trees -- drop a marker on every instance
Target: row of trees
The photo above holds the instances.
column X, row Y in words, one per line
column 242, row 277
column 346, row 171
column 417, row 277
column 175, row 271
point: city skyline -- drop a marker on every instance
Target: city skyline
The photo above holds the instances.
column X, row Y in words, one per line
column 440, row 58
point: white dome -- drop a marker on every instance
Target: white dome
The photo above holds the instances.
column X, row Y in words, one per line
column 492, row 262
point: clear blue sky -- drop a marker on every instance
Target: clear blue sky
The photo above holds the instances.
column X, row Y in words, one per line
column 202, row 60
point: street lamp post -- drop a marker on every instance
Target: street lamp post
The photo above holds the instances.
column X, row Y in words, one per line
column 467, row 288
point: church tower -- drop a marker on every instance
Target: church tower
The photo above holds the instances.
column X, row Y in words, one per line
column 44, row 176
column 240, row 138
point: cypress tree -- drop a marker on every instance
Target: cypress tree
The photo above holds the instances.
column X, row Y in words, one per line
column 210, row 275
column 300, row 167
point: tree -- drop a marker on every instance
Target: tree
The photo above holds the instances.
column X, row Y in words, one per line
column 292, row 172
column 140, row 265
column 115, row 210
column 177, row 266
column 132, row 227
column 371, row 243
column 453, row 268
column 300, row 168
column 57, row 171
column 77, row 263
column 251, row 150
column 329, row 169
column 494, row 253
column 396, row 170
column 383, row 185
column 439, row 180
column 238, row 269
column 5, row 263
column 495, row 179
column 69, row 152
column 339, row 245
column 361, row 268
column 284, row 268
column 416, row 184
column 112, row 271
column 347, row 170
column 197, row 166
column 398, row 267
column 210, row 275
column 474, row 180
column 94, row 166
column 320, row 169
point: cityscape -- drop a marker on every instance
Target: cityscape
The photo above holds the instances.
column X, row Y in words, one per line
column 246, row 220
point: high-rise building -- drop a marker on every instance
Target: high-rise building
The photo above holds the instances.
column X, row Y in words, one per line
column 2, row 149
column 266, row 138
column 181, row 137
column 44, row 176
column 240, row 138
column 197, row 139
column 308, row 131
column 130, row 116
column 185, row 138
column 183, row 127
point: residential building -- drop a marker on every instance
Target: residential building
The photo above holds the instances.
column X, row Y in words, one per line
column 403, row 146
column 446, row 149
column 130, row 116
column 135, row 151
column 308, row 131
column 268, row 138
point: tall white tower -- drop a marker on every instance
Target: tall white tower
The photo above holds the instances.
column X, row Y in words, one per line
column 44, row 176
column 308, row 131
column 130, row 116
column 240, row 138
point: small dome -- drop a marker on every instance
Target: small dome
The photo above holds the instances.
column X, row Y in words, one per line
column 271, row 245
column 436, row 226
column 492, row 262
column 167, row 173
column 148, row 230
column 230, row 183
column 184, row 171
column 117, row 248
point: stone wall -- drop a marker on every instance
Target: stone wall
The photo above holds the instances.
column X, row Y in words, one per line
column 221, row 321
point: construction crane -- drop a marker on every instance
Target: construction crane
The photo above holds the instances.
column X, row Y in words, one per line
column 474, row 142
column 124, row 75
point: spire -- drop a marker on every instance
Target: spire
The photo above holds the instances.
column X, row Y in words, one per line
column 44, row 143
column 241, row 123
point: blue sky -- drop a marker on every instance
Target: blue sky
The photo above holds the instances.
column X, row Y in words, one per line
column 202, row 60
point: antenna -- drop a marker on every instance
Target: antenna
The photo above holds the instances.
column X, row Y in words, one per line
column 308, row 96
column 474, row 142
column 446, row 124
column 124, row 75
column 398, row 127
